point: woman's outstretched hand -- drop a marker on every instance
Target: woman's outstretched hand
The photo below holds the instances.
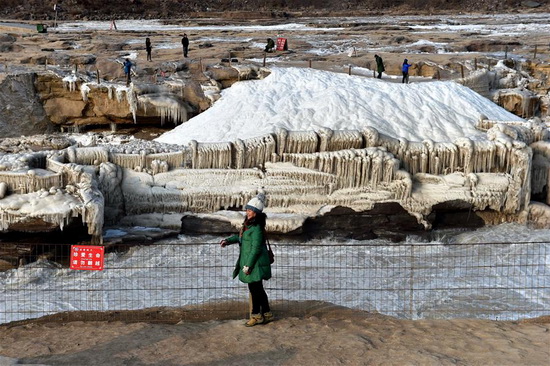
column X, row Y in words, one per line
column 223, row 243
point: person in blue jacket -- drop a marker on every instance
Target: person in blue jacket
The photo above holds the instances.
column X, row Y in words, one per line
column 127, row 65
column 253, row 265
column 405, row 70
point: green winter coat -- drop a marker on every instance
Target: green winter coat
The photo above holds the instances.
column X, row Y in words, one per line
column 253, row 253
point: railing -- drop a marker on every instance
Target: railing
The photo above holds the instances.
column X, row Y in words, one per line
column 499, row 281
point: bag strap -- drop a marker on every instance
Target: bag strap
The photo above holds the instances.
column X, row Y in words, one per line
column 267, row 239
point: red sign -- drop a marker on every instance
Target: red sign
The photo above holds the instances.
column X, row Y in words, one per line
column 89, row 257
column 281, row 44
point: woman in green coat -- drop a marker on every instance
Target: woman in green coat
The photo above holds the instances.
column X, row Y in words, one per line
column 253, row 265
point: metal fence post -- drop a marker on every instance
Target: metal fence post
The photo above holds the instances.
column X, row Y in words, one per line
column 411, row 283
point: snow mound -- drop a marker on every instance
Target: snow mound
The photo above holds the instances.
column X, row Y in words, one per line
column 306, row 99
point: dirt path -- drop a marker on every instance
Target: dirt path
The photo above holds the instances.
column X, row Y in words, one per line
column 326, row 335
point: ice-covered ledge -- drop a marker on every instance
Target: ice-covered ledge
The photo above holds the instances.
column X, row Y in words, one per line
column 305, row 174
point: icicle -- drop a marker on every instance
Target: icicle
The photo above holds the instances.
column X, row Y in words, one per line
column 257, row 151
column 167, row 106
column 131, row 97
column 370, row 134
column 301, row 142
column 466, row 149
column 70, row 82
column 345, row 139
column 3, row 189
column 211, row 155
column 324, row 136
column 84, row 90
column 88, row 155
column 282, row 136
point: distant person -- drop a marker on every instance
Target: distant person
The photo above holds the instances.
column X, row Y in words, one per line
column 185, row 44
column 127, row 65
column 270, row 45
column 379, row 66
column 405, row 70
column 148, row 48
column 253, row 265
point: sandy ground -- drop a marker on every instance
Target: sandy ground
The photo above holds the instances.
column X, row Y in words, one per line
column 393, row 42
column 324, row 335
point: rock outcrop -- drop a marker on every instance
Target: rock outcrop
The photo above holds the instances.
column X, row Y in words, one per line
column 19, row 101
column 81, row 99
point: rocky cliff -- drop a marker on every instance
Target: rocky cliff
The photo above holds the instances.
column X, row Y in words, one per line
column 19, row 101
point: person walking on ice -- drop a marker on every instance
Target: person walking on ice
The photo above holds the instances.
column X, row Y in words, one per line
column 148, row 48
column 254, row 264
column 379, row 66
column 127, row 65
column 405, row 69
column 185, row 44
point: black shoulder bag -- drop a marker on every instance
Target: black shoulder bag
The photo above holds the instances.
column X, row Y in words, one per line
column 269, row 250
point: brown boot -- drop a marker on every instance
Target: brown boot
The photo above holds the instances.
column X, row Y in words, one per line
column 268, row 317
column 254, row 320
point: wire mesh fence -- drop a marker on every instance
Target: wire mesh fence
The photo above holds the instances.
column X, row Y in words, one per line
column 499, row 281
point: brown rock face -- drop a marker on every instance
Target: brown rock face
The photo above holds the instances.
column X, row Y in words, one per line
column 64, row 104
column 21, row 111
column 521, row 104
column 61, row 110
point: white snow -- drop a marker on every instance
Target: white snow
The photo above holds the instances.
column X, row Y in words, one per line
column 306, row 99
column 156, row 25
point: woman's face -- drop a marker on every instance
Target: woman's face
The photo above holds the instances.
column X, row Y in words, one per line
column 250, row 214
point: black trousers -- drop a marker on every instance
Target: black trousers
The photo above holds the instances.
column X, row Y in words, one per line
column 260, row 303
column 405, row 78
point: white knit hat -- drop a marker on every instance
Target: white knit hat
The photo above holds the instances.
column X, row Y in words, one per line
column 256, row 204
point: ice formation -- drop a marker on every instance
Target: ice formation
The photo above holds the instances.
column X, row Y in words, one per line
column 304, row 173
column 69, row 82
column 300, row 171
column 166, row 106
column 505, row 86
